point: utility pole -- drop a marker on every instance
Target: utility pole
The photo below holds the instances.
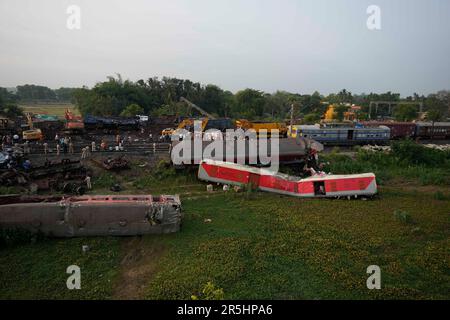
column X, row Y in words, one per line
column 292, row 118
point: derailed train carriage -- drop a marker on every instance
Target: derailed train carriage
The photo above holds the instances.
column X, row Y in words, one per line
column 117, row 215
column 249, row 151
column 317, row 186
column 111, row 123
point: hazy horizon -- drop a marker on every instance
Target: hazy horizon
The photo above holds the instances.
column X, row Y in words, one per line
column 297, row 46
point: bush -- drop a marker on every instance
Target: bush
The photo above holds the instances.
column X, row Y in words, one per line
column 409, row 152
column 438, row 195
column 9, row 237
column 408, row 160
column 403, row 216
column 209, row 292
column 104, row 181
column 163, row 170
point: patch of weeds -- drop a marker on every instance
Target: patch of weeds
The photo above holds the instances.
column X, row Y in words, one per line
column 209, row 292
column 8, row 190
column 403, row 217
column 16, row 236
column 250, row 190
column 105, row 180
column 164, row 170
column 439, row 195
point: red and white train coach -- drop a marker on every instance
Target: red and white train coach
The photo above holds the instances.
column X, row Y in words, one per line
column 320, row 185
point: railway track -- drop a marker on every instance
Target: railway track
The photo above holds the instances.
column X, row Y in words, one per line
column 134, row 148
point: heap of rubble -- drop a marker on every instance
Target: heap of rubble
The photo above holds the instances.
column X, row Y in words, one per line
column 441, row 147
column 119, row 163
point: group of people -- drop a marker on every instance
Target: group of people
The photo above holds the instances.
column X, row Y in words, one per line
column 12, row 146
column 10, row 139
column 64, row 143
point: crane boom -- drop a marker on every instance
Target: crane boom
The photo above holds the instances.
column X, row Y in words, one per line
column 203, row 112
column 29, row 120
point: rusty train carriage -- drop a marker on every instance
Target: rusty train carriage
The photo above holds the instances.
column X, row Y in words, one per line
column 117, row 215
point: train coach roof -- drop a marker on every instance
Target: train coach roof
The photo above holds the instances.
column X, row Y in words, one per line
column 436, row 124
column 311, row 127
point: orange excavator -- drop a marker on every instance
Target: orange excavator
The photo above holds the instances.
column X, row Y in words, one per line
column 74, row 124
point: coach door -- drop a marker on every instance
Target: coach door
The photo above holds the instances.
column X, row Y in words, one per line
column 350, row 134
column 253, row 180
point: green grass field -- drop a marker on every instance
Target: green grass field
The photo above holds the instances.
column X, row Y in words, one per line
column 258, row 245
column 49, row 109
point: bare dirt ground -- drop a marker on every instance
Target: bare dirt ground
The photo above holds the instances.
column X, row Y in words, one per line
column 139, row 263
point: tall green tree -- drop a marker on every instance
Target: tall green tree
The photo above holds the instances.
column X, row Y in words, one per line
column 8, row 106
column 132, row 110
column 340, row 111
column 249, row 103
column 405, row 112
column 35, row 92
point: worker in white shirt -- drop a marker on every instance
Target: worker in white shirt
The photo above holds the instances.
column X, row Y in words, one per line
column 88, row 182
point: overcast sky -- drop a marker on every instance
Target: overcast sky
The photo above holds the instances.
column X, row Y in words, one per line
column 293, row 45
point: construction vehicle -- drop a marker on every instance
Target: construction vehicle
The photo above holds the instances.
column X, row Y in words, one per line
column 74, row 124
column 259, row 126
column 31, row 134
column 192, row 105
column 188, row 124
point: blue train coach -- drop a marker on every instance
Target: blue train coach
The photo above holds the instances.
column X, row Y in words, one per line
column 345, row 135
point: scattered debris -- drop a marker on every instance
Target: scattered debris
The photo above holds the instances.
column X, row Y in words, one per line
column 226, row 187
column 375, row 148
column 207, row 221
column 237, row 189
column 209, row 188
column 119, row 163
column 441, row 147
column 50, row 176
column 387, row 149
column 85, row 248
column 77, row 188
column 116, row 188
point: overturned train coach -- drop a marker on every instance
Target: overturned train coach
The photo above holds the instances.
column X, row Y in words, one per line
column 249, row 151
column 119, row 215
column 321, row 186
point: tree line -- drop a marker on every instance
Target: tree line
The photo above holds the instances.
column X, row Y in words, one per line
column 158, row 97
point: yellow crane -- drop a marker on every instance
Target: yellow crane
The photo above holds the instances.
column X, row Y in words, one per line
column 186, row 123
column 31, row 133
